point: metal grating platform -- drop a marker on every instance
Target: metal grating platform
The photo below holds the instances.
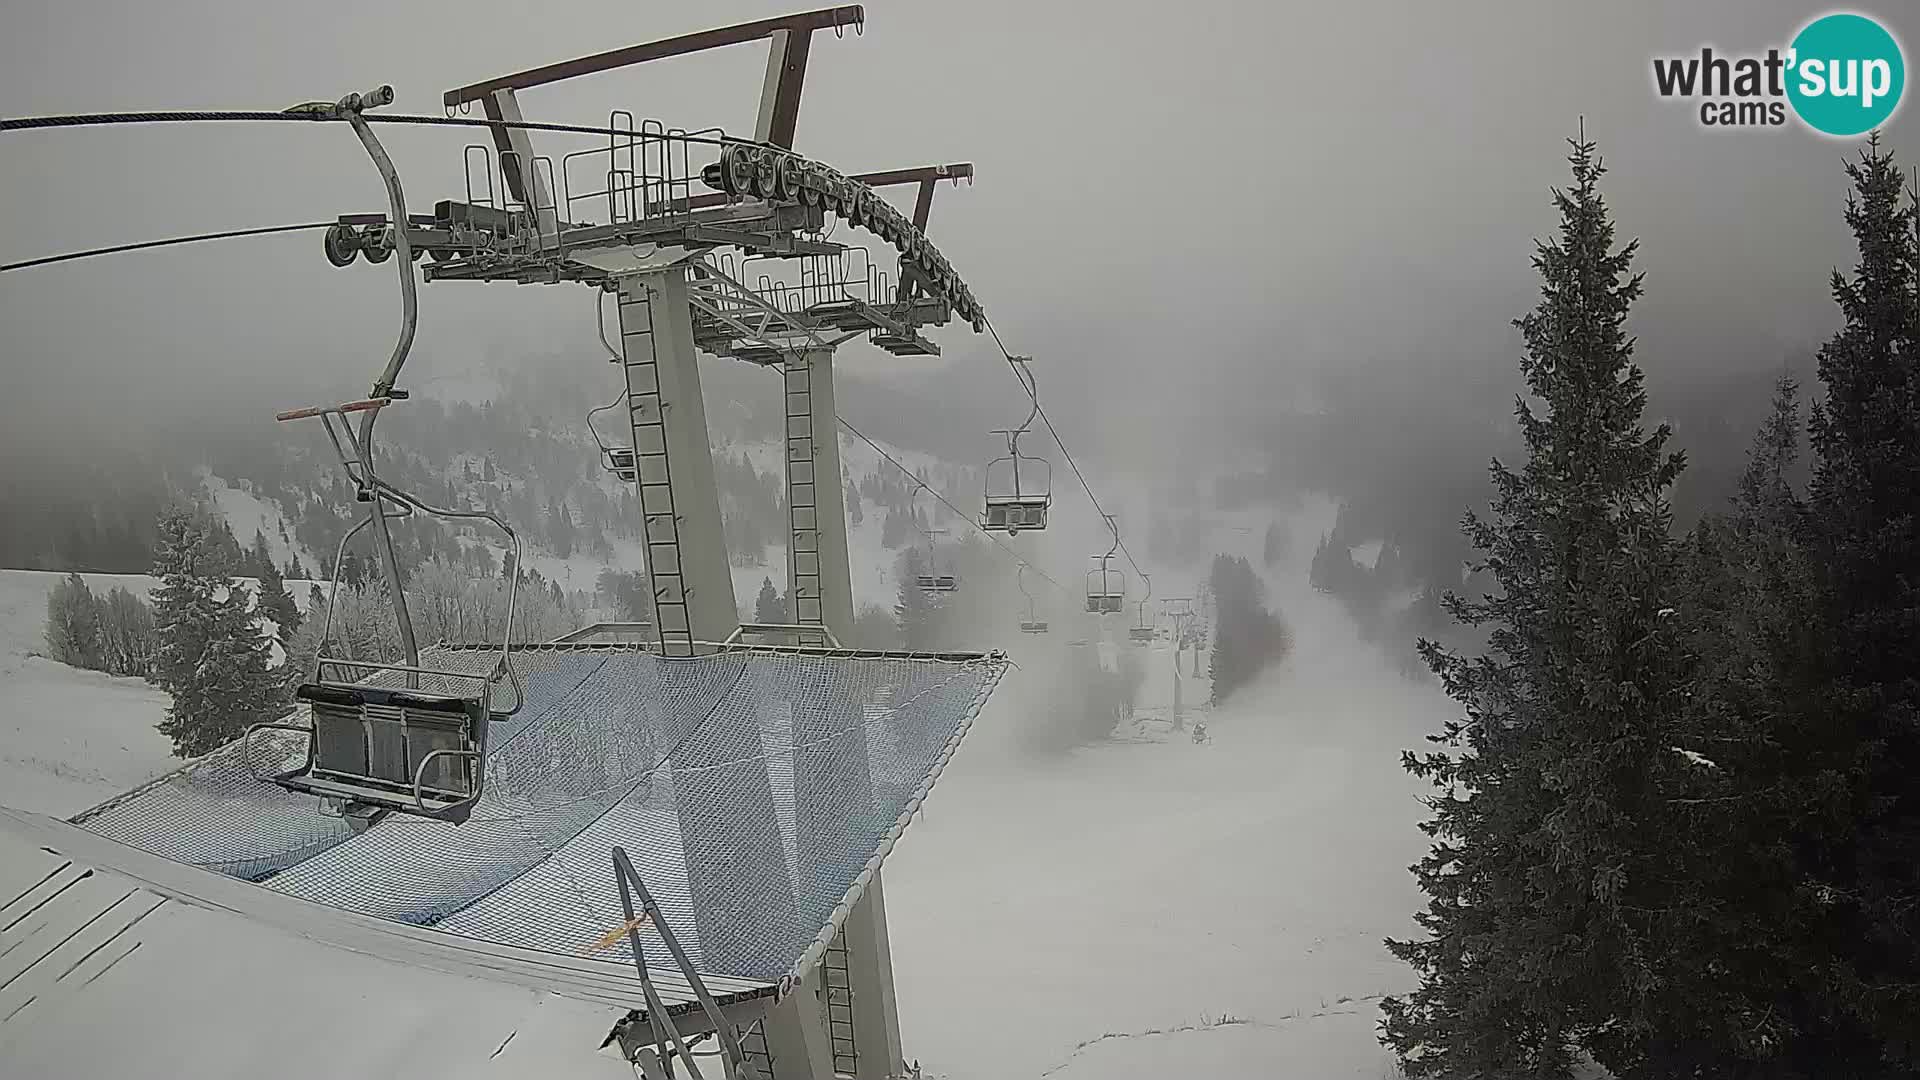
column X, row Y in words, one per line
column 755, row 789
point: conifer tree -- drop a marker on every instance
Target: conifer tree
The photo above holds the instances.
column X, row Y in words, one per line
column 1864, row 535
column 277, row 603
column 259, row 560
column 73, row 624
column 212, row 658
column 767, row 607
column 1248, row 637
column 915, row 611
column 1548, row 857
column 1731, row 998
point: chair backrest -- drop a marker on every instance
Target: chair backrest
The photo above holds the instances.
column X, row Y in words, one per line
column 381, row 737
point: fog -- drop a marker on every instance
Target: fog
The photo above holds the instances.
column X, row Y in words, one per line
column 1186, row 213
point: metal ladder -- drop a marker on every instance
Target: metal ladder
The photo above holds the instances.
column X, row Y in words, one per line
column 803, row 515
column 836, row 986
column 646, row 414
column 753, row 1046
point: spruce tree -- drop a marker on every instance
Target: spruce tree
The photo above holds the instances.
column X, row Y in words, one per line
column 1864, row 530
column 1248, row 637
column 259, row 560
column 915, row 612
column 277, row 604
column 1320, row 570
column 211, row 658
column 1274, row 546
column 1736, row 993
column 74, row 624
column 1547, row 855
column 767, row 606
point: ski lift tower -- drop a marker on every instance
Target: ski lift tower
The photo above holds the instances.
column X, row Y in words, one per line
column 718, row 244
column 674, row 223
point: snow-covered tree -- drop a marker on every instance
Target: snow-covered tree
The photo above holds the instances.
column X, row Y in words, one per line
column 212, row 658
column 259, row 560
column 276, row 603
column 73, row 623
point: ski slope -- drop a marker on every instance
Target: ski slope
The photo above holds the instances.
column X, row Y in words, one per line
column 69, row 738
column 1130, row 910
column 1166, row 909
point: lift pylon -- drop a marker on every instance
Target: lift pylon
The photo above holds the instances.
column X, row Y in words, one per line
column 656, row 215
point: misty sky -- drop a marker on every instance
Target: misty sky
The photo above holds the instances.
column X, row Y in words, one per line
column 1216, row 197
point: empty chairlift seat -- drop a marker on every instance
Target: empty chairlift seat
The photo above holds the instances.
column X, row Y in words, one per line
column 619, row 460
column 389, row 736
column 373, row 745
column 1012, row 513
column 1014, row 502
column 1106, row 588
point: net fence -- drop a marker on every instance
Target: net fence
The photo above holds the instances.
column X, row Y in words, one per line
column 750, row 789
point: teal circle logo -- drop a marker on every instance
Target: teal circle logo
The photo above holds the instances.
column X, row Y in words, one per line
column 1846, row 74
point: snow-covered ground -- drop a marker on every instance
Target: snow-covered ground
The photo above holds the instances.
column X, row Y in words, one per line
column 247, row 515
column 1171, row 909
column 1129, row 910
column 69, row 738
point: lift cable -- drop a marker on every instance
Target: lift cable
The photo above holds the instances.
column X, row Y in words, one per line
column 1042, row 413
column 34, row 123
column 118, row 248
column 964, row 516
column 30, row 123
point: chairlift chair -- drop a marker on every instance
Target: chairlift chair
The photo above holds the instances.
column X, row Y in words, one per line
column 618, row 460
column 1142, row 633
column 371, row 748
column 1032, row 624
column 1107, row 586
column 932, row 580
column 1017, row 504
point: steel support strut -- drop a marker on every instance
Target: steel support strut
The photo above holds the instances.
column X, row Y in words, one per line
column 351, row 107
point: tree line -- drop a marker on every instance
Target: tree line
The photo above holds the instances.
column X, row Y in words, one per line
column 1676, row 830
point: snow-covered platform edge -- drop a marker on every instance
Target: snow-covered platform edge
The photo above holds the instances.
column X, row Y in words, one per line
column 581, row 979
